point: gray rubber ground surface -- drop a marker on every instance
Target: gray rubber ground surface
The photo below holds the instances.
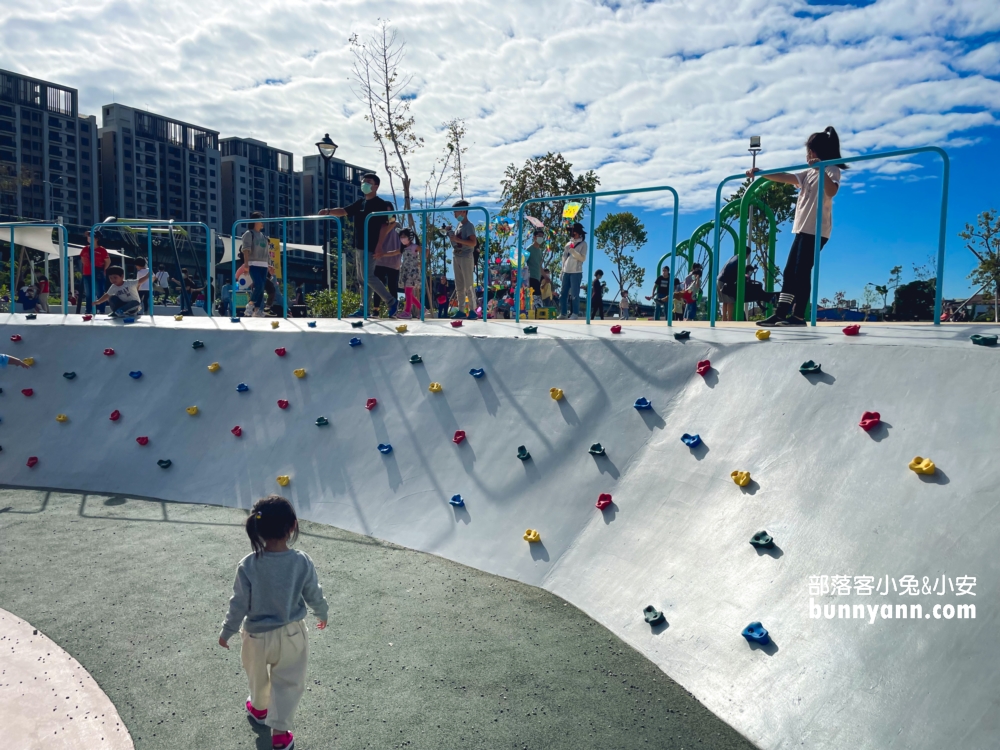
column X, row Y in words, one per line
column 420, row 652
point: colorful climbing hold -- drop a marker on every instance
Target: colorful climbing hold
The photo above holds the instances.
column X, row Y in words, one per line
column 32, row 460
column 616, row 329
column 282, row 403
column 164, row 463
column 283, row 479
column 214, row 367
column 311, row 324
column 652, row 615
column 128, row 321
column 142, row 440
column 809, row 367
column 763, row 334
column 242, row 388
column 115, row 415
column 435, row 387
column 384, row 448
column 980, row 340
column 596, row 450
column 756, row 633
column 274, row 324
column 31, row 316
column 415, row 359
column 371, row 403
column 691, row 441
column 109, row 352
column 401, row 328
column 69, row 375
column 682, row 335
column 531, row 535
column 29, row 361
column 530, row 329
column 178, row 317
column 742, row 478
column 459, row 437
column 458, row 501
column 15, row 338
column 703, row 367
column 642, row 404
column 234, row 320
column 870, row 420
column 237, row 431
column 922, row 465
column 852, row 330
column 762, row 539
column 603, row 500
column 357, row 323
column 556, row 393
column 522, row 453
column 135, row 374
column 322, row 421
column 355, row 342
column 477, row 372
column 299, row 373
column 456, row 324
column 62, row 418
column 192, row 410
column 88, row 317
column 197, row 344
column 29, row 392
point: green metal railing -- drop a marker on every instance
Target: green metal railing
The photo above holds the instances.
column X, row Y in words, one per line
column 64, row 234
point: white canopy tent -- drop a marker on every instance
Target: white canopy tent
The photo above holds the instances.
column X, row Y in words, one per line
column 227, row 243
column 40, row 238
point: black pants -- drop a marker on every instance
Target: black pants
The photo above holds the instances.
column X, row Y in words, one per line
column 796, row 283
column 597, row 308
column 127, row 307
column 389, row 277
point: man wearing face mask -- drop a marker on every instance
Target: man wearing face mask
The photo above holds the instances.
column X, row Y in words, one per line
column 378, row 228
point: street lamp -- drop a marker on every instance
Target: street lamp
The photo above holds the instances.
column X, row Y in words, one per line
column 327, row 149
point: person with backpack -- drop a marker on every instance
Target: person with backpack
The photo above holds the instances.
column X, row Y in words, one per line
column 464, row 244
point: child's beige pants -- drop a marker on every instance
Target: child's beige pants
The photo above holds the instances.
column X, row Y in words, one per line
column 275, row 663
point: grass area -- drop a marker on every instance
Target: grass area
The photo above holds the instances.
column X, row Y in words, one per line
column 420, row 652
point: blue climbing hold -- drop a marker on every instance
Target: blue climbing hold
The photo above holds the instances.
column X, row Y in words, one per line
column 355, row 341
column 756, row 633
column 642, row 403
column 198, row 345
column 384, row 448
column 234, row 320
column 457, row 501
column 135, row 374
column 477, row 372
column 242, row 388
column 126, row 321
column 691, row 441
column 311, row 324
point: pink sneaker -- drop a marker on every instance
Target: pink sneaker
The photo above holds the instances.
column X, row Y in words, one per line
column 283, row 741
column 256, row 714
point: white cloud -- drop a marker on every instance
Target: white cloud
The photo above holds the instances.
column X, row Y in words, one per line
column 644, row 92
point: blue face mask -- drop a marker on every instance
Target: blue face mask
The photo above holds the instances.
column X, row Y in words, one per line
column 366, row 187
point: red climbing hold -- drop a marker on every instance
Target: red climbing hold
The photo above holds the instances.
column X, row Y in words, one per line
column 616, row 329
column 371, row 403
column 280, row 351
column 115, row 415
column 870, row 420
column 456, row 324
column 603, row 500
column 32, row 461
column 15, row 338
column 703, row 367
column 853, row 330
column 459, row 437
column 282, row 404
column 88, row 317
column 27, row 392
column 142, row 440
column 237, row 431
column 109, row 352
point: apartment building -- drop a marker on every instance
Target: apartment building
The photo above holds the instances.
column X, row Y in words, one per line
column 258, row 177
column 48, row 152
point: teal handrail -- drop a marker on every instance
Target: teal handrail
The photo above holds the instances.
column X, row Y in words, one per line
column 592, row 197
column 65, row 259
column 821, row 165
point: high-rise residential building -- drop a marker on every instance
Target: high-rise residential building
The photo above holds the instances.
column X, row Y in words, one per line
column 344, row 185
column 258, row 177
column 154, row 167
column 48, row 152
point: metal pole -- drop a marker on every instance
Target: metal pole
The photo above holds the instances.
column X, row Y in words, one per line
column 486, row 267
column 149, row 260
column 93, row 275
column 817, row 241
column 673, row 257
column 13, row 283
column 590, row 260
column 62, row 274
column 939, row 290
column 517, row 286
column 209, row 271
column 423, row 272
column 284, row 264
column 326, row 224
column 340, row 269
column 232, row 278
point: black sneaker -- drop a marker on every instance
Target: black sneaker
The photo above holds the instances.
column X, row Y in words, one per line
column 791, row 322
column 774, row 320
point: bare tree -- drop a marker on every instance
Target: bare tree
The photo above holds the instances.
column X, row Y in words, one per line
column 456, row 132
column 380, row 84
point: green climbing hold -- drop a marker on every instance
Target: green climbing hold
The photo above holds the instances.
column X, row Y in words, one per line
column 531, row 329
column 682, row 335
column 762, row 539
column 809, row 368
column 653, row 615
column 164, row 463
column 415, row 359
column 597, row 449
column 198, row 345
column 322, row 421
column 522, row 453
column 979, row 340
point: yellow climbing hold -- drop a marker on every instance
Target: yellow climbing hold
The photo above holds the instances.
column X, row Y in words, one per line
column 435, row 387
column 763, row 335
column 401, row 328
column 192, row 410
column 178, row 317
column 922, row 465
column 274, row 324
column 62, row 418
column 300, row 373
column 742, row 478
column 214, row 367
column 29, row 361
column 556, row 393
column 283, row 480
column 531, row 535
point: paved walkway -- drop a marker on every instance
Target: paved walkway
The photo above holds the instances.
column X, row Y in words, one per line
column 420, row 653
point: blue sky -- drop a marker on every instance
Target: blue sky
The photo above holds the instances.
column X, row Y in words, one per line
column 642, row 91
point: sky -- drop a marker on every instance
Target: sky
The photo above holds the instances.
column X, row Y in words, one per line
column 644, row 93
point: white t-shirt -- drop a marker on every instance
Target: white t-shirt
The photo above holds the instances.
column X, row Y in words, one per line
column 162, row 278
column 142, row 276
column 805, row 207
column 127, row 292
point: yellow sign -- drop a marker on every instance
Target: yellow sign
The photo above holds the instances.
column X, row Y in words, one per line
column 275, row 252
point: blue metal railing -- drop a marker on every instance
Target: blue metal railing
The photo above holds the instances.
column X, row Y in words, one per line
column 64, row 234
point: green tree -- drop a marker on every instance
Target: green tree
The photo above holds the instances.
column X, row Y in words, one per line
column 883, row 290
column 983, row 241
column 542, row 176
column 780, row 198
column 620, row 236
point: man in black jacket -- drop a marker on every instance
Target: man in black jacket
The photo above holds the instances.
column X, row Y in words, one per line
column 662, row 301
